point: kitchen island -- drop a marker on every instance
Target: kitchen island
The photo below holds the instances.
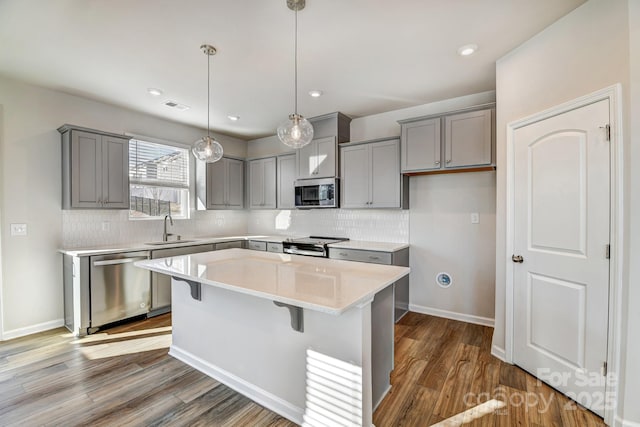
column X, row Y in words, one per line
column 292, row 333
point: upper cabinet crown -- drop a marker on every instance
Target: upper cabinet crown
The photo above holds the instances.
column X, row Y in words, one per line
column 448, row 143
column 95, row 169
column 319, row 159
column 220, row 185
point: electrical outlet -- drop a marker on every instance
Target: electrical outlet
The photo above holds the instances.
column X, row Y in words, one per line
column 18, row 229
column 106, row 226
column 475, row 218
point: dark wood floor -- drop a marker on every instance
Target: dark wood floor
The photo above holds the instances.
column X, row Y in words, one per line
column 124, row 376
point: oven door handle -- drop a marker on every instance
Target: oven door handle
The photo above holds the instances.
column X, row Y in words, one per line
column 303, row 252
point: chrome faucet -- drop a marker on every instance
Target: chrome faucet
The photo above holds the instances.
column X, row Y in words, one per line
column 165, row 235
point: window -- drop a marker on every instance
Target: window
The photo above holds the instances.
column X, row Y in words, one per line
column 158, row 179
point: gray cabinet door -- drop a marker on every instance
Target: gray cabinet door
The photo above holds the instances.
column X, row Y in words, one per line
column 286, row 172
column 326, row 157
column 86, row 170
column 256, row 184
column 385, row 174
column 468, row 139
column 317, row 159
column 306, row 161
column 216, row 177
column 421, row 145
column 355, row 178
column 235, row 184
column 269, row 183
column 115, row 172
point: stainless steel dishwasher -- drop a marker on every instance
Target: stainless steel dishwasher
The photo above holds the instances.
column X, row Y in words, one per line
column 118, row 289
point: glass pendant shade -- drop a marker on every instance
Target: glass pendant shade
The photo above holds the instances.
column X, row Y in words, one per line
column 295, row 132
column 207, row 149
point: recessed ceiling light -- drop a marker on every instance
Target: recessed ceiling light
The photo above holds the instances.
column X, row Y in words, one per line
column 234, row 118
column 467, row 49
column 315, row 93
column 155, row 91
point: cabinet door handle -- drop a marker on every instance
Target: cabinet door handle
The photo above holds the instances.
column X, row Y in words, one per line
column 342, row 254
column 448, row 161
column 374, row 257
column 437, row 162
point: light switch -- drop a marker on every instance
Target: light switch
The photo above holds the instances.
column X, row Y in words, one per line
column 475, row 218
column 106, row 226
column 18, row 229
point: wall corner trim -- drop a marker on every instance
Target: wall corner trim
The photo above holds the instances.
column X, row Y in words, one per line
column 462, row 317
column 33, row 329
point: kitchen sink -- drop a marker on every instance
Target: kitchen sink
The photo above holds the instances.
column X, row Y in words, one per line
column 172, row 242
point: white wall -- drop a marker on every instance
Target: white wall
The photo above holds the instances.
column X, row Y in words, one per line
column 31, row 191
column 584, row 51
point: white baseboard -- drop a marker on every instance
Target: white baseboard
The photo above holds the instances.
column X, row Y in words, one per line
column 262, row 397
column 619, row 422
column 499, row 352
column 376, row 404
column 469, row 318
column 33, row 329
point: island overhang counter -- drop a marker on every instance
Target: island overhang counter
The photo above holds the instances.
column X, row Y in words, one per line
column 309, row 338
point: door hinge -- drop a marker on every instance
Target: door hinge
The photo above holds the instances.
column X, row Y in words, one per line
column 604, row 368
column 607, row 252
column 607, row 131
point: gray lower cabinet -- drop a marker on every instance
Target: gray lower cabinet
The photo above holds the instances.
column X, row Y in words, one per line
column 220, row 185
column 161, row 283
column 257, row 245
column 286, row 176
column 95, row 169
column 262, row 183
column 401, row 258
column 370, row 175
column 450, row 142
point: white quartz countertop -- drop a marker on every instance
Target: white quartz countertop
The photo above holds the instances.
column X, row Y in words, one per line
column 186, row 241
column 370, row 246
column 320, row 284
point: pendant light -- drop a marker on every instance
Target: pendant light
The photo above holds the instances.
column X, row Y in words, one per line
column 297, row 131
column 207, row 148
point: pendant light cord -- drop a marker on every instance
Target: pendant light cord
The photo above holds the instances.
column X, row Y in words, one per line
column 295, row 91
column 208, row 91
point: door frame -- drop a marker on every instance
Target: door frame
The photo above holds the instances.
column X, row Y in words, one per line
column 614, row 95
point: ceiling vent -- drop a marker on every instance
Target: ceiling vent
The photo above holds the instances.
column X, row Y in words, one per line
column 176, row 105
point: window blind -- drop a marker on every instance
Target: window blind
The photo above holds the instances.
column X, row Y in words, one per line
column 158, row 164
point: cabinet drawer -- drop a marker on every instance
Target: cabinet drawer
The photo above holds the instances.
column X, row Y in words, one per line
column 373, row 257
column 229, row 245
column 257, row 246
column 274, row 247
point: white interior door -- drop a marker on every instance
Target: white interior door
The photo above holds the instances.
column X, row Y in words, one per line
column 561, row 231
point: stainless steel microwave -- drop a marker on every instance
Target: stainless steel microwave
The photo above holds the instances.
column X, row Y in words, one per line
column 317, row 193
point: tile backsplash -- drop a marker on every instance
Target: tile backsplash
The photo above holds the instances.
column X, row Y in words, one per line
column 365, row 224
column 91, row 228
column 88, row 228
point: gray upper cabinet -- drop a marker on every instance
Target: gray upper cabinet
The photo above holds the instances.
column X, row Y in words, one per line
column 262, row 183
column 317, row 159
column 95, row 169
column 468, row 138
column 371, row 175
column 421, row 145
column 286, row 175
column 455, row 141
column 225, row 184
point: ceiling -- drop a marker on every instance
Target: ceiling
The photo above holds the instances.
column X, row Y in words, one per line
column 368, row 56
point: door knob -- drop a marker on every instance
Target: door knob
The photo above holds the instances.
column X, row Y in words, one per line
column 517, row 258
